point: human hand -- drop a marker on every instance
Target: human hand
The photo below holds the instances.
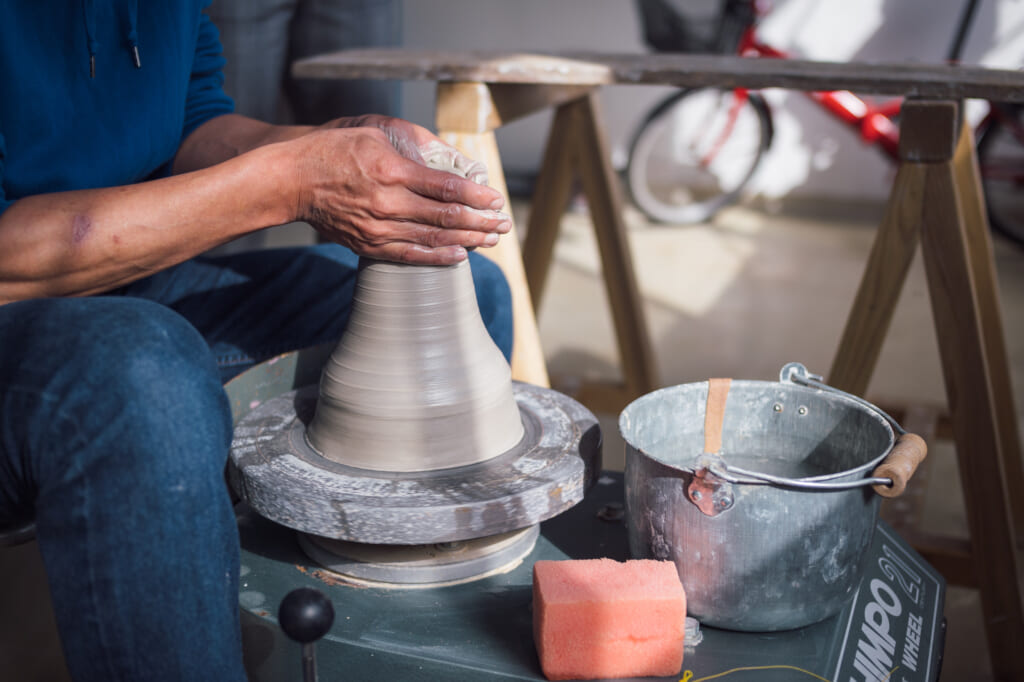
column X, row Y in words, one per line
column 364, row 187
column 418, row 144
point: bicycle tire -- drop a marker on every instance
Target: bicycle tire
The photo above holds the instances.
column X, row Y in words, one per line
column 708, row 162
column 1000, row 149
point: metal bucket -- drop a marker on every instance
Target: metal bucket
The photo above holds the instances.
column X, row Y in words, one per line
column 770, row 533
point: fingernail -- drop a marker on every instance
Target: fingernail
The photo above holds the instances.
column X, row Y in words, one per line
column 498, row 203
column 505, row 226
column 490, row 239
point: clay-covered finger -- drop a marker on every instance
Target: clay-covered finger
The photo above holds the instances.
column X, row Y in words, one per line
column 417, row 254
column 458, row 217
column 442, row 156
column 418, row 210
column 427, row 235
column 448, row 188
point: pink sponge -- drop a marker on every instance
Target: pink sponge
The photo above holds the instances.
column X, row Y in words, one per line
column 599, row 618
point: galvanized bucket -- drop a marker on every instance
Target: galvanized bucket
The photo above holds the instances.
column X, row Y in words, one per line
column 769, row 529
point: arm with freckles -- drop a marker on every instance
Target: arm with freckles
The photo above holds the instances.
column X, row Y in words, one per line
column 236, row 176
column 88, row 241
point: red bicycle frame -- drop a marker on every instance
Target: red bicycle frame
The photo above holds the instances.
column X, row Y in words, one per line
column 874, row 123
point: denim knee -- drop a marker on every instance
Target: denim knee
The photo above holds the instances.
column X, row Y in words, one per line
column 161, row 386
column 113, row 375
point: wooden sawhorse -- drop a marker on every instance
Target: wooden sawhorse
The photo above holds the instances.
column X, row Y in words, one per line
column 936, row 201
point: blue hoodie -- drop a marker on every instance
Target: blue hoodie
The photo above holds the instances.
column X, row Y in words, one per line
column 98, row 93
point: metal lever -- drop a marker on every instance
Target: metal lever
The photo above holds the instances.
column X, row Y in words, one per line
column 306, row 615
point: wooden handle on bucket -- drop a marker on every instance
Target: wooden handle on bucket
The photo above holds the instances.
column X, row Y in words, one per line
column 900, row 465
column 714, row 414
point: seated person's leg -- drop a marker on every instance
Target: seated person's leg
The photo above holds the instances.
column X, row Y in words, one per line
column 255, row 305
column 114, row 433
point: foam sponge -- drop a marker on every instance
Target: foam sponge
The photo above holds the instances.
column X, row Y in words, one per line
column 599, row 618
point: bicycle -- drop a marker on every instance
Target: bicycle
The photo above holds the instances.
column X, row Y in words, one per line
column 715, row 139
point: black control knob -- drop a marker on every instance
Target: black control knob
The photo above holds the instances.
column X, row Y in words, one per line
column 306, row 615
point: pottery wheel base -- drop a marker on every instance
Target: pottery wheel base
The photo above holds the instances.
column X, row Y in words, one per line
column 278, row 474
column 421, row 566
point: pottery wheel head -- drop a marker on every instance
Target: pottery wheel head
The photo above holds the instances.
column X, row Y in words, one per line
column 548, row 471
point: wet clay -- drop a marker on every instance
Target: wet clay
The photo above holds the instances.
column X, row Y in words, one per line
column 416, row 383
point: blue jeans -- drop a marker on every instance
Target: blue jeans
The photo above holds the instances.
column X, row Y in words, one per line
column 261, row 39
column 114, row 434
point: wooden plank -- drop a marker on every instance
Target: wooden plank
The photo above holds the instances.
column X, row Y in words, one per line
column 979, row 243
column 967, row 373
column 938, row 81
column 875, row 302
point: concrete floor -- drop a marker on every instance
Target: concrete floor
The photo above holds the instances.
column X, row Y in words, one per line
column 740, row 298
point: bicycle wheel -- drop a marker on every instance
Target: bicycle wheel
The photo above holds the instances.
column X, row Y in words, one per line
column 1001, row 164
column 695, row 151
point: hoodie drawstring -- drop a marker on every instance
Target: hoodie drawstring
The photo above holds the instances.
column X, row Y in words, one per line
column 89, row 18
column 90, row 34
column 133, row 32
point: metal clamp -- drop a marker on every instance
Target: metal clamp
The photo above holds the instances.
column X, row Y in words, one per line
column 712, row 494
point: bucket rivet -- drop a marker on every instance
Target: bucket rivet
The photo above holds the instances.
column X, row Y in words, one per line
column 777, row 407
column 695, row 494
column 802, row 411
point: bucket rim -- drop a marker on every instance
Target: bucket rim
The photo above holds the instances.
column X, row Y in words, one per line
column 860, row 405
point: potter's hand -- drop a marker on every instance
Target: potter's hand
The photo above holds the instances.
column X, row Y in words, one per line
column 364, row 188
column 419, row 144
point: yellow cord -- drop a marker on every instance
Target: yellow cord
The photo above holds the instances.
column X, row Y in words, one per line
column 688, row 675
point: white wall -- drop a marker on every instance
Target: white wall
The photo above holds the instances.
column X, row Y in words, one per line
column 813, row 155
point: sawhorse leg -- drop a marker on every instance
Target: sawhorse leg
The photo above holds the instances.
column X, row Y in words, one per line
column 578, row 147
column 936, row 200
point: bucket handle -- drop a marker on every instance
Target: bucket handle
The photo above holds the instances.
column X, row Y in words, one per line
column 902, row 461
column 889, row 479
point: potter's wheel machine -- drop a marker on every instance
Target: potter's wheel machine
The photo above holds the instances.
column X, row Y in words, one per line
column 416, row 460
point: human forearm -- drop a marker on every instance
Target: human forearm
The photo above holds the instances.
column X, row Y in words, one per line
column 89, row 241
column 349, row 182
column 364, row 182
column 231, row 135
column 228, row 136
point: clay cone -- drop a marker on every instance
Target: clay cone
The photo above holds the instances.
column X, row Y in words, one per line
column 415, row 383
